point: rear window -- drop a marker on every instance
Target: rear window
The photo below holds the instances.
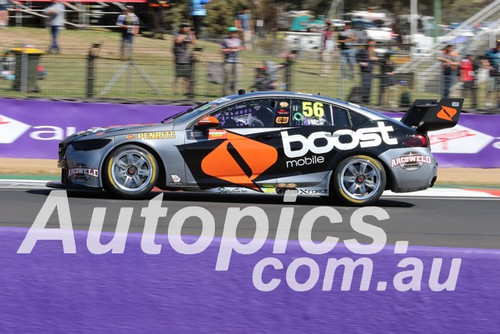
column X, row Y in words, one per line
column 357, row 119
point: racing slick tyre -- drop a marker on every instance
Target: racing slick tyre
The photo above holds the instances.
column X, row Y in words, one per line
column 359, row 180
column 130, row 172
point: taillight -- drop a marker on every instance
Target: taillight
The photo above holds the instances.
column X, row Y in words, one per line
column 417, row 141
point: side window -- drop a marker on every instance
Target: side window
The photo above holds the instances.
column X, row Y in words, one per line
column 340, row 117
column 310, row 113
column 254, row 113
column 357, row 119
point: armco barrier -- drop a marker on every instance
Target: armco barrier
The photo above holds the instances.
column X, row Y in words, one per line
column 32, row 129
column 48, row 291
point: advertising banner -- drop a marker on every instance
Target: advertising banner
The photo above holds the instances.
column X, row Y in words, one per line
column 33, row 129
column 474, row 142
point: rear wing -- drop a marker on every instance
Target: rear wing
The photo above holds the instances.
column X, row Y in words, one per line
column 430, row 115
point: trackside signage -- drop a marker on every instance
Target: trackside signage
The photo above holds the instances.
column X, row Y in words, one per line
column 33, row 129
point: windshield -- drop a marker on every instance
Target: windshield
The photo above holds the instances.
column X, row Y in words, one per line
column 182, row 113
column 193, row 112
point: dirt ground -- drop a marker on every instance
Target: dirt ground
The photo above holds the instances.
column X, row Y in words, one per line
column 452, row 176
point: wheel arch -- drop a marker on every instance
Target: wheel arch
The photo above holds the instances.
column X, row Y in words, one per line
column 161, row 182
column 332, row 165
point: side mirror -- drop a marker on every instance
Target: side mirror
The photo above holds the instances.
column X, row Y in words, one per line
column 208, row 122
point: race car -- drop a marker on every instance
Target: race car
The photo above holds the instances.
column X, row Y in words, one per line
column 267, row 143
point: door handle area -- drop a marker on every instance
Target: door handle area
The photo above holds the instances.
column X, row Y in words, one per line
column 265, row 137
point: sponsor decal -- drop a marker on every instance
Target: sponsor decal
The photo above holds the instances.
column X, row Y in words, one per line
column 10, row 129
column 446, row 113
column 344, row 139
column 235, row 160
column 284, row 104
column 226, row 190
column 282, row 120
column 156, row 135
column 194, row 134
column 411, row 161
column 130, row 136
column 305, row 161
column 269, row 190
column 217, row 134
column 82, row 173
column 283, row 112
column 315, row 191
column 176, row 178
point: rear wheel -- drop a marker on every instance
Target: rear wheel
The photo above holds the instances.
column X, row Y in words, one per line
column 130, row 172
column 359, row 180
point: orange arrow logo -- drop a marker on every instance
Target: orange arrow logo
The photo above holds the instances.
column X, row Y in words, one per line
column 239, row 160
column 447, row 113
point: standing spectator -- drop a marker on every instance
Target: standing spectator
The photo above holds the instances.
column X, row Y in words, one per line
column 55, row 21
column 244, row 24
column 183, row 39
column 4, row 14
column 198, row 13
column 493, row 58
column 231, row 47
column 448, row 63
column 327, row 48
column 157, row 10
column 129, row 24
column 386, row 78
column 467, row 75
column 346, row 39
column 366, row 58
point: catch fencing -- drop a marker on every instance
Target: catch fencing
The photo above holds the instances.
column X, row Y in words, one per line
column 149, row 74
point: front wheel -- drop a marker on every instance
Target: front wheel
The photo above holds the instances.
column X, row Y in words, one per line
column 359, row 180
column 130, row 172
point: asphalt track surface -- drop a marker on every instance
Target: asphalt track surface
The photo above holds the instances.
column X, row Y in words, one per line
column 423, row 221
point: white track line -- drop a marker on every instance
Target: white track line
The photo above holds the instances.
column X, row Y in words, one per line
column 432, row 192
column 440, row 192
column 23, row 184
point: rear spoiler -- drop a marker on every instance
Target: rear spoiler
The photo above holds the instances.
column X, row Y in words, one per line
column 430, row 115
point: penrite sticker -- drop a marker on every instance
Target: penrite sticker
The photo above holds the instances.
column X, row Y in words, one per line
column 156, row 135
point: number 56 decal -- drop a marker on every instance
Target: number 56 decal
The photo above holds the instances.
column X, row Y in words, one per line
column 309, row 109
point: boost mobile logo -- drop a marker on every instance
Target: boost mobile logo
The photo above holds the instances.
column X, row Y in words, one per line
column 366, row 137
column 239, row 160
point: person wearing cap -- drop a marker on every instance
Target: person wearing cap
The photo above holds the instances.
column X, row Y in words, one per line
column 493, row 58
column 182, row 55
column 231, row 46
column 327, row 47
column 55, row 20
column 129, row 24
